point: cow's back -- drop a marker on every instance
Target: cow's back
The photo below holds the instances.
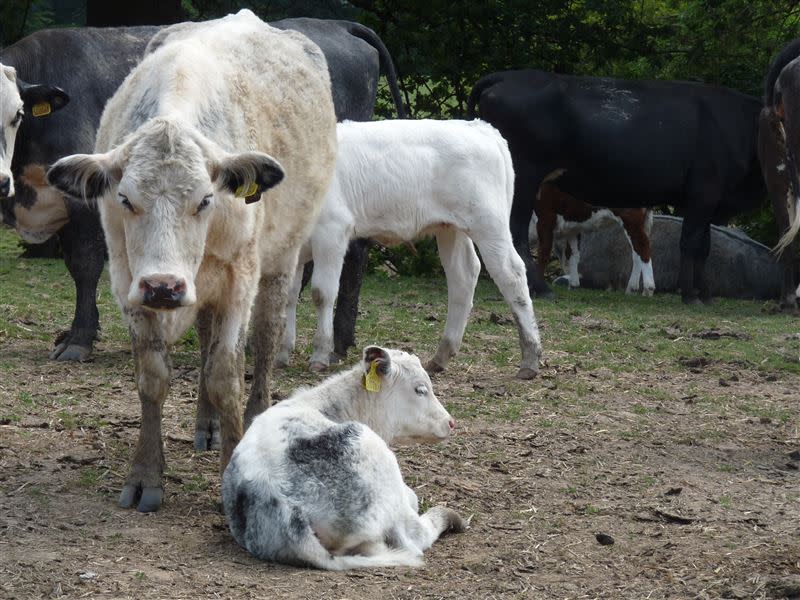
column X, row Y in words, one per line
column 89, row 64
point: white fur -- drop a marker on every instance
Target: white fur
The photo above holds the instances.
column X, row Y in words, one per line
column 300, row 491
column 10, row 105
column 221, row 94
column 399, row 180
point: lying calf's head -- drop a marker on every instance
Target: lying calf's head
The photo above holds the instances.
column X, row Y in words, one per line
column 163, row 185
column 400, row 385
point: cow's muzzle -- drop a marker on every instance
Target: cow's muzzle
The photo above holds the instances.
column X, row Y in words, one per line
column 162, row 292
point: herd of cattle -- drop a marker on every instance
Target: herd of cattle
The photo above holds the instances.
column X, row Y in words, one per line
column 206, row 159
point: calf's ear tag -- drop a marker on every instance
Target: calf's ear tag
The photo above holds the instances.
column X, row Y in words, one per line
column 372, row 381
column 247, row 192
column 41, row 109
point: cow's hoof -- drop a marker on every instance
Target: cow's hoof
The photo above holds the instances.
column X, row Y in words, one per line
column 334, row 358
column 527, row 373
column 149, row 498
column 317, row 367
column 707, row 301
column 207, row 438
column 71, row 352
column 433, row 367
column 280, row 362
column 691, row 300
column 545, row 295
column 648, row 292
column 562, row 281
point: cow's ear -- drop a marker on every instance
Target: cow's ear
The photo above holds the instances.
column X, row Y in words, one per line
column 10, row 73
column 247, row 175
column 379, row 357
column 84, row 175
column 41, row 100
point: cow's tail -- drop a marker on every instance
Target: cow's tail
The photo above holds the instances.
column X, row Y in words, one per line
column 387, row 65
column 477, row 90
column 794, row 227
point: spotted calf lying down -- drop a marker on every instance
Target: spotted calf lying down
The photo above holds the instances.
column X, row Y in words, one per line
column 314, row 483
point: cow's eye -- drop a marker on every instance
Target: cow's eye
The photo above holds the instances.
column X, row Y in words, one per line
column 204, row 203
column 126, row 203
column 17, row 118
column 421, row 390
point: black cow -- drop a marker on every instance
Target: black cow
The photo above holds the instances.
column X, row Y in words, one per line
column 778, row 145
column 90, row 64
column 628, row 144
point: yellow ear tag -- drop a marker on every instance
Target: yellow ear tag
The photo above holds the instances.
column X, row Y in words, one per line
column 246, row 191
column 372, row 381
column 41, row 109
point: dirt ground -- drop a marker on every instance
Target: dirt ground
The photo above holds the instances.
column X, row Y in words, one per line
column 700, row 498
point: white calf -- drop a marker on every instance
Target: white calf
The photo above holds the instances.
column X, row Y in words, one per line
column 396, row 181
column 313, row 481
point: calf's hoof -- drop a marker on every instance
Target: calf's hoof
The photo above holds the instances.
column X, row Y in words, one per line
column 648, row 292
column 71, row 352
column 206, row 436
column 281, row 362
column 562, row 281
column 317, row 367
column 148, row 498
column 543, row 295
column 527, row 373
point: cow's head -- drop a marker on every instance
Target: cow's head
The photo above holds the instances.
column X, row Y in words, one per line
column 18, row 99
column 163, row 185
column 408, row 409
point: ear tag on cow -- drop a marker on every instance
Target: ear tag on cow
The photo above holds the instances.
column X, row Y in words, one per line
column 372, row 381
column 41, row 109
column 246, row 192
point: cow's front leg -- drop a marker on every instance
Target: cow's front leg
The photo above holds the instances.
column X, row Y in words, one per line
column 223, row 376
column 290, row 332
column 84, row 251
column 206, row 431
column 143, row 485
column 268, row 323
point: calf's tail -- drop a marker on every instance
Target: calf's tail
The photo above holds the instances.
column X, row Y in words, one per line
column 794, row 227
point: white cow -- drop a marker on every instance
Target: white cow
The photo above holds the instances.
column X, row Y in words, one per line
column 181, row 164
column 313, row 481
column 396, row 181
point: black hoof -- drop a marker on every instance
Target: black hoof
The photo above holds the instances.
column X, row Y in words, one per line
column 207, row 439
column 691, row 301
column 147, row 499
column 527, row 373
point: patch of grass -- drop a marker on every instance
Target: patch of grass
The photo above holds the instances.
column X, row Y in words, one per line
column 67, row 420
column 591, row 510
column 726, row 468
column 726, row 501
column 198, row 483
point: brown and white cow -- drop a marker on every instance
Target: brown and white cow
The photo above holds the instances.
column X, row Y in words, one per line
column 218, row 115
column 560, row 214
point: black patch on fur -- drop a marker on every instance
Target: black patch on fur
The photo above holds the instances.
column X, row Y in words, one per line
column 144, row 111
column 331, row 446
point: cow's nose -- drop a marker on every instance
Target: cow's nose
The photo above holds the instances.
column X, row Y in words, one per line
column 452, row 423
column 5, row 186
column 162, row 291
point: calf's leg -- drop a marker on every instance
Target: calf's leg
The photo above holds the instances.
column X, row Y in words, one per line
column 329, row 251
column 144, row 486
column 574, row 275
column 508, row 272
column 344, row 320
column 461, row 269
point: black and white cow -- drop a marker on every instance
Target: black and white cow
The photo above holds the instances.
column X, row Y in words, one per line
column 628, row 144
column 314, row 483
column 90, row 63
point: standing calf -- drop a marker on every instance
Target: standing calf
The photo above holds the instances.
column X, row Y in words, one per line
column 396, row 181
column 313, row 481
